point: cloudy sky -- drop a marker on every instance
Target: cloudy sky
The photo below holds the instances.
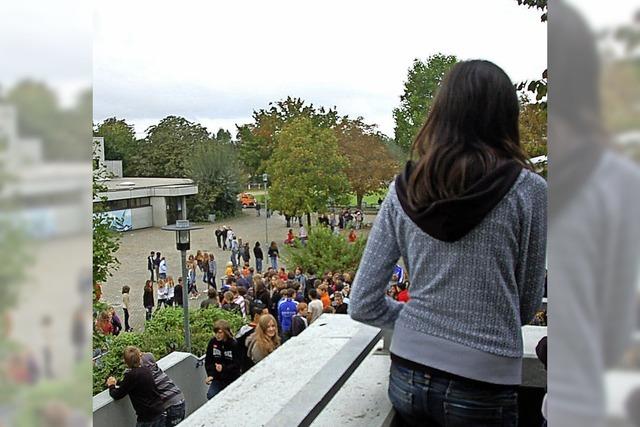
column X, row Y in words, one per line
column 217, row 62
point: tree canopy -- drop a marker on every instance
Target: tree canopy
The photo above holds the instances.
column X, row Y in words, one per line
column 119, row 141
column 370, row 165
column 306, row 169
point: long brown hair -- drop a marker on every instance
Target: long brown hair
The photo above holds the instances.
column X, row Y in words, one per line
column 263, row 341
column 472, row 128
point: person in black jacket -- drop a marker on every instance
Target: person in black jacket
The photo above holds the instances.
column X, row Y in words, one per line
column 299, row 322
column 147, row 299
column 150, row 264
column 259, row 256
column 139, row 384
column 222, row 360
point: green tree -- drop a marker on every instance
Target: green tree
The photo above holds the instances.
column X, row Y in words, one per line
column 119, row 141
column 167, row 147
column 419, row 90
column 370, row 165
column 215, row 169
column 537, row 87
column 326, row 251
column 257, row 140
column 223, row 136
column 306, row 169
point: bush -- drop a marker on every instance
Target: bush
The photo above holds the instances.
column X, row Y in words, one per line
column 326, row 251
column 163, row 334
column 112, row 364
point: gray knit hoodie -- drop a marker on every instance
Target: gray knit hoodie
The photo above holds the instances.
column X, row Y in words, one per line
column 470, row 295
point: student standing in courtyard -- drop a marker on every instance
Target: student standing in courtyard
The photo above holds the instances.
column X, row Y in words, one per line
column 147, row 299
column 125, row 307
column 469, row 219
column 274, row 254
column 150, row 265
column 259, row 256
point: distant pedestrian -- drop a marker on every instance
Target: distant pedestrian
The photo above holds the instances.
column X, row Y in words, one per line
column 302, row 234
column 224, row 234
column 171, row 291
column 218, row 234
column 234, row 252
column 162, row 294
column 213, row 271
column 259, row 256
column 162, row 269
column 156, row 264
column 274, row 254
column 147, row 299
column 125, row 307
column 150, row 265
column 258, row 207
column 246, row 253
column 179, row 296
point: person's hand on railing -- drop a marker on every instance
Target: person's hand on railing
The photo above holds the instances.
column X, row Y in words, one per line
column 208, row 380
column 111, row 381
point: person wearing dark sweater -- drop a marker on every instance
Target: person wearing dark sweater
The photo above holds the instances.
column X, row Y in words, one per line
column 299, row 322
column 222, row 359
column 469, row 220
column 139, row 385
column 259, row 257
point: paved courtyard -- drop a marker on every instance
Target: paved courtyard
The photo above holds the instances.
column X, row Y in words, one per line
column 136, row 245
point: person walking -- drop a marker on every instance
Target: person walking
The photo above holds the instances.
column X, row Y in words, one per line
column 234, row 252
column 469, row 217
column 213, row 271
column 156, row 265
column 258, row 207
column 246, row 253
column 224, row 234
column 162, row 268
column 302, row 234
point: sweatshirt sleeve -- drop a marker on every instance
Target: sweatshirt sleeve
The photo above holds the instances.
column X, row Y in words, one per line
column 368, row 301
column 530, row 271
column 208, row 360
column 123, row 388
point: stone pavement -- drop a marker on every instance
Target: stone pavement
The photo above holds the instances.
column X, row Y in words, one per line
column 135, row 247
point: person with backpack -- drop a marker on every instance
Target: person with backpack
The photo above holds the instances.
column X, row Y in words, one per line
column 469, row 218
column 259, row 257
column 222, row 359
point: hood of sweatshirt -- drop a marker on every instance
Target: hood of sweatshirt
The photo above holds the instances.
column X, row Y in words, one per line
column 451, row 219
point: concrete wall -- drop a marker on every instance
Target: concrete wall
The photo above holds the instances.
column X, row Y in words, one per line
column 159, row 206
column 181, row 368
column 142, row 217
column 114, row 167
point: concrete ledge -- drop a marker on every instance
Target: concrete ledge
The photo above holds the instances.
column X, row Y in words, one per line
column 180, row 367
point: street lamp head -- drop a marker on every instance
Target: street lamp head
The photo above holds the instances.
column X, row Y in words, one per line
column 265, row 177
column 182, row 229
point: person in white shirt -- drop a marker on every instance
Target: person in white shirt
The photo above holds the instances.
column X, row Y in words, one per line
column 163, row 268
column 302, row 234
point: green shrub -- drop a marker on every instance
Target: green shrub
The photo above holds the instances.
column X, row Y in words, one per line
column 326, row 251
column 112, row 364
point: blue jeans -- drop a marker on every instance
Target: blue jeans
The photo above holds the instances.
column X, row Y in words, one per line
column 274, row 262
column 175, row 414
column 158, row 422
column 216, row 387
column 258, row 265
column 433, row 400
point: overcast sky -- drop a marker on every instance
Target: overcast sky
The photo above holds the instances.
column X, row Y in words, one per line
column 217, row 62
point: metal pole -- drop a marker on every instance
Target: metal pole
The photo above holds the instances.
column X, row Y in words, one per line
column 185, row 301
column 266, row 216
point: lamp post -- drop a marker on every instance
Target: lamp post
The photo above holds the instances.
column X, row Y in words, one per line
column 183, row 229
column 265, row 178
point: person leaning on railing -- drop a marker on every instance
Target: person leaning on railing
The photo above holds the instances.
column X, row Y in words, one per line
column 469, row 220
